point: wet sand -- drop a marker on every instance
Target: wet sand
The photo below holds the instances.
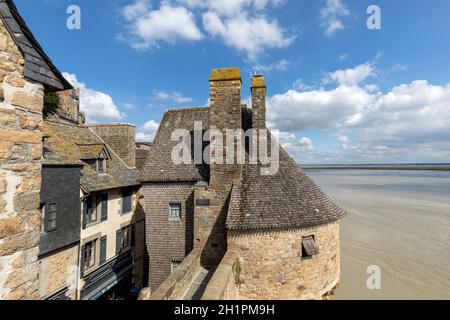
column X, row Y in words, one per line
column 399, row 221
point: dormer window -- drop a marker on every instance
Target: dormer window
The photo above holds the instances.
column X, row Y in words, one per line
column 96, row 156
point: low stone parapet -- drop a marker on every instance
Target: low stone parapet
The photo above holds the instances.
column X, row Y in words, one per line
column 224, row 283
column 179, row 282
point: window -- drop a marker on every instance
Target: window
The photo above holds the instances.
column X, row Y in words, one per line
column 174, row 265
column 126, row 200
column 123, row 239
column 101, row 165
column 92, row 203
column 98, row 165
column 89, row 255
column 50, row 217
column 175, row 212
column 309, row 247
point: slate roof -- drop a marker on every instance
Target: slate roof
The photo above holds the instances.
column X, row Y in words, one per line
column 67, row 143
column 159, row 166
column 288, row 199
column 38, row 66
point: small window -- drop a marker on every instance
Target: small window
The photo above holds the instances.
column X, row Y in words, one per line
column 175, row 212
column 309, row 247
column 89, row 255
column 101, row 165
column 123, row 238
column 126, row 200
column 50, row 217
column 93, row 203
column 174, row 265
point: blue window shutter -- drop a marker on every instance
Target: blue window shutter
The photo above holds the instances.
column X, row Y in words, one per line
column 103, row 249
column 83, row 253
column 85, row 211
column 126, row 200
column 104, row 207
column 118, row 241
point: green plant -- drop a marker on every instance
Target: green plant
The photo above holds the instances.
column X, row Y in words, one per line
column 51, row 103
column 237, row 272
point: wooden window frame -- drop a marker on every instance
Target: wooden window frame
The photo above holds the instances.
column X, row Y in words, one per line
column 171, row 208
column 48, row 219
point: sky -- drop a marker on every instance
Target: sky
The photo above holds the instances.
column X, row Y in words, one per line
column 337, row 91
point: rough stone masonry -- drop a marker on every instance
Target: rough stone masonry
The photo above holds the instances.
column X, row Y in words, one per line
column 21, row 104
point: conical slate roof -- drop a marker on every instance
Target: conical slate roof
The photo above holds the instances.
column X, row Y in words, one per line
column 287, row 199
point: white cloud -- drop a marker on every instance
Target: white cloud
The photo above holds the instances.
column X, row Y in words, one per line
column 408, row 123
column 97, row 105
column 147, row 132
column 330, row 15
column 280, row 65
column 351, row 76
column 343, row 56
column 241, row 24
column 252, row 35
column 172, row 96
column 230, row 7
column 167, row 24
column 320, row 108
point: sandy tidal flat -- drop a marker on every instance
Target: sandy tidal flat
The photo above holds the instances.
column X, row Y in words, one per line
column 397, row 220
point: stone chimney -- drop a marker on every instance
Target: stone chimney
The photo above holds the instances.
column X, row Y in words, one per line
column 69, row 105
column 120, row 137
column 225, row 113
column 258, row 102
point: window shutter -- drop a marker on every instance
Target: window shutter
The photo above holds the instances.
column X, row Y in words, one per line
column 45, row 217
column 118, row 241
column 104, row 207
column 126, row 201
column 103, row 249
column 85, row 212
column 133, row 234
column 83, row 253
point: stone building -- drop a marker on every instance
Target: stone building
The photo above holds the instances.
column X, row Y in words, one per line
column 26, row 75
column 111, row 255
column 71, row 217
column 232, row 231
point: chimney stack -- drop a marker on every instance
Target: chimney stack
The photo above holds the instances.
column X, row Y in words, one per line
column 225, row 113
column 258, row 102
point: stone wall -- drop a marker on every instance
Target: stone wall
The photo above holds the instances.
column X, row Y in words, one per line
column 271, row 264
column 222, row 285
column 178, row 283
column 58, row 271
column 21, row 104
column 167, row 240
column 121, row 138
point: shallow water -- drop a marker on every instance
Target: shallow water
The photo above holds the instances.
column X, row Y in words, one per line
column 397, row 220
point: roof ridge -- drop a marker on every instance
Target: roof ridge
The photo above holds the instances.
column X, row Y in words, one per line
column 187, row 109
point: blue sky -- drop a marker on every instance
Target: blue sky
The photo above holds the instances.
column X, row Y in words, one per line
column 337, row 91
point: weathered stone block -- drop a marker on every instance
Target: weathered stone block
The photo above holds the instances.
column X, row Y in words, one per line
column 26, row 202
column 7, row 117
column 21, row 276
column 15, row 79
column 20, row 136
column 2, row 93
column 27, row 101
column 10, row 227
column 18, row 243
